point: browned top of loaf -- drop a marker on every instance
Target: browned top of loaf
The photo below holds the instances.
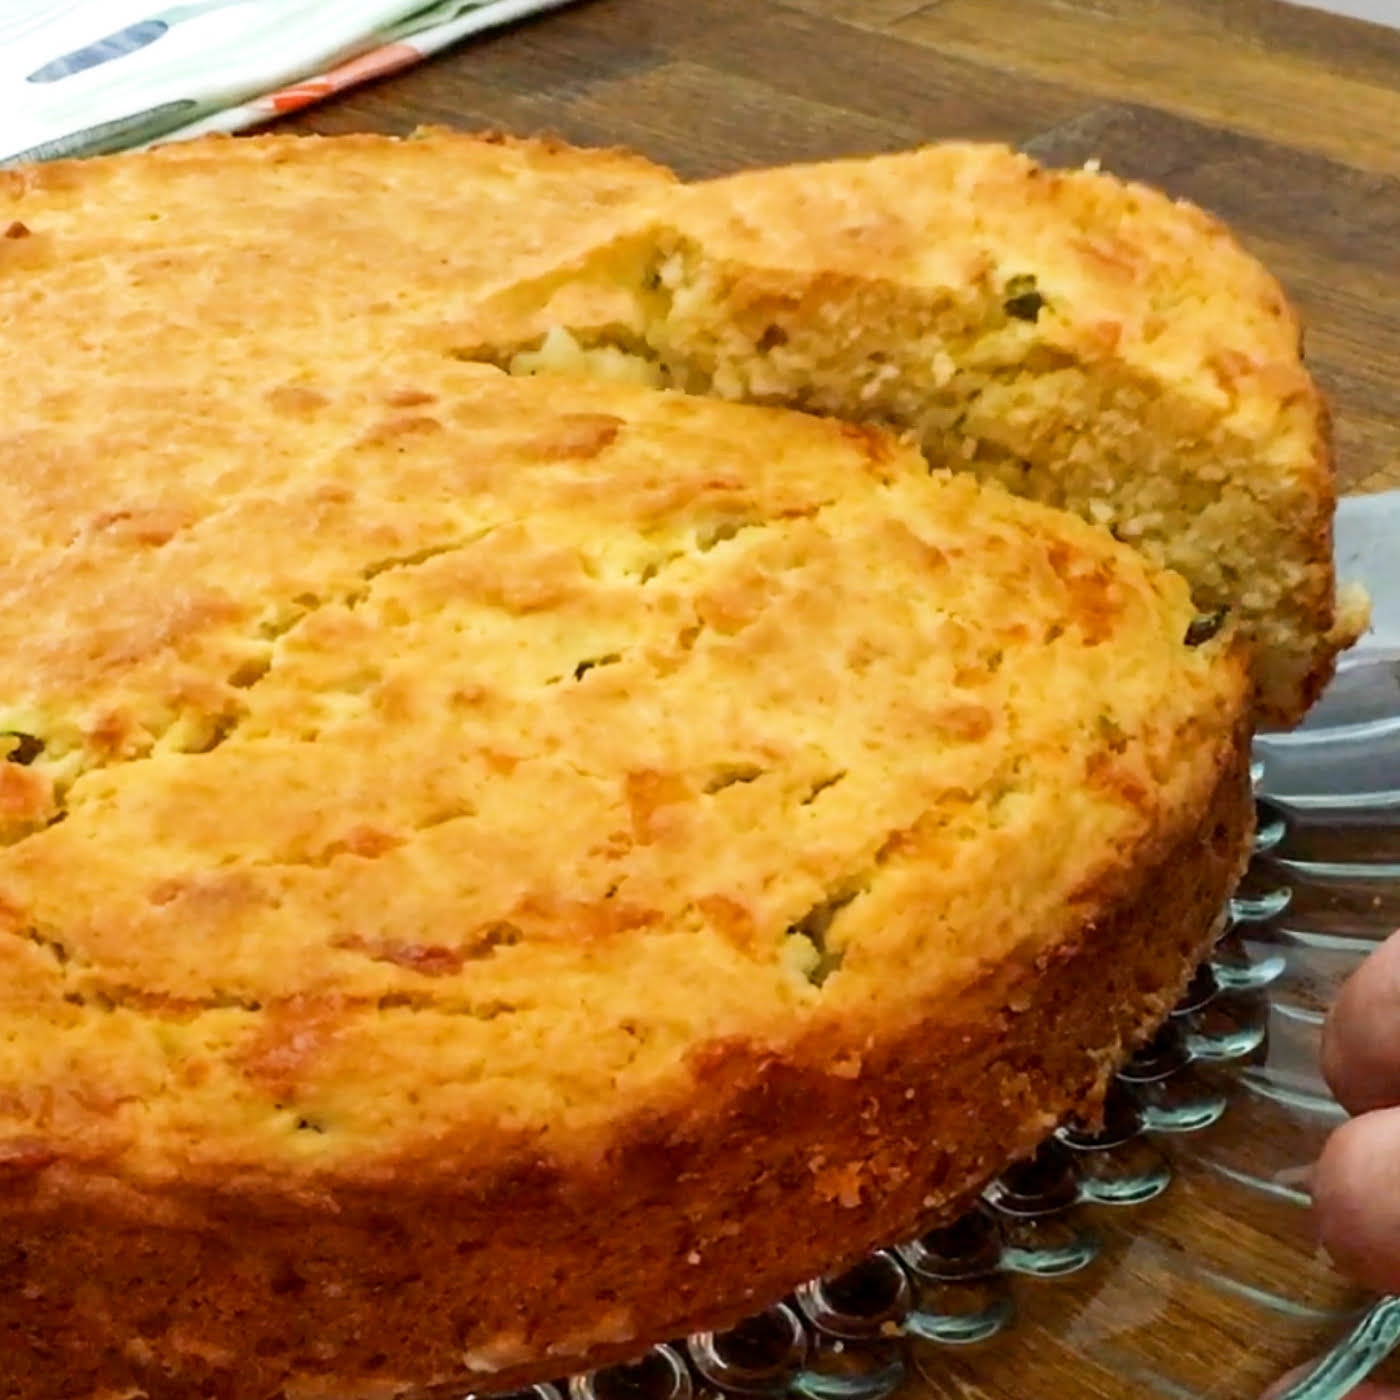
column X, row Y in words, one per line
column 447, row 759
column 1137, row 267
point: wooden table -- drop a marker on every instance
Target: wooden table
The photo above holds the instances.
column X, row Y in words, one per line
column 1283, row 121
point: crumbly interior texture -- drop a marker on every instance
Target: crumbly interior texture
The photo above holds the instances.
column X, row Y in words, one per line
column 479, row 851
column 1083, row 341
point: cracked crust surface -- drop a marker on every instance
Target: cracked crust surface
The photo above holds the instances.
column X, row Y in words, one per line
column 473, row 842
column 502, row 740
column 391, row 1286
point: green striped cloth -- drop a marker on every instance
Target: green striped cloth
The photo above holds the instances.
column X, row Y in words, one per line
column 83, row 77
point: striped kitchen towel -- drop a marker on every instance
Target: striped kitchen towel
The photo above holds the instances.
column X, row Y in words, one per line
column 82, row 77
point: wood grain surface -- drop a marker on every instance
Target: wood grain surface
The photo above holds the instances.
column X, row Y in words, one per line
column 1283, row 121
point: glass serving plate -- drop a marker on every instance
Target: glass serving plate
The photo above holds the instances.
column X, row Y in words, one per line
column 1171, row 1254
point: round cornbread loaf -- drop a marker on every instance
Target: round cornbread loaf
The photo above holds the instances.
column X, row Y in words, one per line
column 486, row 855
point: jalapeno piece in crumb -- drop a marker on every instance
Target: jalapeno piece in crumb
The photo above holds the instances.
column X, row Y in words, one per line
column 1204, row 626
column 1022, row 299
column 20, row 748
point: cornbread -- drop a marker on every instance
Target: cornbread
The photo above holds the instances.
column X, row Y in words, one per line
column 481, row 854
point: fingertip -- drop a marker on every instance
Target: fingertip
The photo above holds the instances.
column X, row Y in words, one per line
column 1361, row 1039
column 1356, row 1199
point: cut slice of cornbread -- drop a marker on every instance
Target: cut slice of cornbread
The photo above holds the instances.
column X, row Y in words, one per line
column 481, row 844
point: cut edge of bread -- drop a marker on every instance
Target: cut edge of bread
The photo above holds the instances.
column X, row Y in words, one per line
column 1213, row 456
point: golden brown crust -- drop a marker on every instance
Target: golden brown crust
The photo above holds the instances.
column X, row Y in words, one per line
column 780, row 1168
